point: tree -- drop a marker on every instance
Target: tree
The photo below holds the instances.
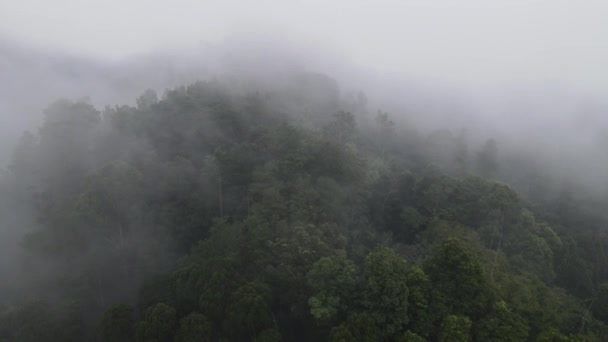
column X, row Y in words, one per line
column 411, row 337
column 24, row 161
column 342, row 128
column 249, row 310
column 572, row 271
column 458, row 284
column 461, row 154
column 384, row 122
column 412, row 221
column 419, row 298
column 599, row 307
column 502, row 325
column 30, row 322
column 158, row 325
column 385, row 292
column 332, row 280
column 147, row 100
column 194, row 328
column 455, row 328
column 358, row 327
column 117, row 324
column 386, row 129
column 269, row 335
column 239, row 220
column 205, row 286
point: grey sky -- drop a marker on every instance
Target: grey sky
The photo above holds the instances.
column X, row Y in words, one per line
column 472, row 41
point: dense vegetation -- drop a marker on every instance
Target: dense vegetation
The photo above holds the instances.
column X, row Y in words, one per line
column 216, row 214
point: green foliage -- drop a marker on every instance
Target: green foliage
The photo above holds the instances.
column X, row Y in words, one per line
column 411, row 337
column 458, row 283
column 205, row 286
column 599, row 306
column 573, row 273
column 358, row 327
column 193, row 328
column 258, row 216
column 28, row 323
column 333, row 281
column 343, row 127
column 534, row 255
column 553, row 335
column 269, row 335
column 385, row 292
column 455, row 328
column 249, row 309
column 158, row 325
column 160, row 288
column 117, row 324
column 502, row 325
column 419, row 299
column 36, row 321
column 412, row 219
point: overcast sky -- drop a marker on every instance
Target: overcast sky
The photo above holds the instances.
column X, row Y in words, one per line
column 464, row 40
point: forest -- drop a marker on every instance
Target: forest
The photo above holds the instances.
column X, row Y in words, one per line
column 214, row 212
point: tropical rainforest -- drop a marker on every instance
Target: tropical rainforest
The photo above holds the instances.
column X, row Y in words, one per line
column 215, row 212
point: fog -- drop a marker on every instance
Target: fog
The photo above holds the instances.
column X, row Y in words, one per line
column 529, row 74
column 526, row 68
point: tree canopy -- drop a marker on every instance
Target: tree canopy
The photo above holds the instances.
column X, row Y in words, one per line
column 213, row 214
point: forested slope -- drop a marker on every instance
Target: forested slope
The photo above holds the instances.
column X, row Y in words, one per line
column 213, row 214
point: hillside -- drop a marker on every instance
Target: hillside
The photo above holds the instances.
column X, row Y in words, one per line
column 297, row 214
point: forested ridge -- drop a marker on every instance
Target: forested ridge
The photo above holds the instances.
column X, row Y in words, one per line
column 218, row 213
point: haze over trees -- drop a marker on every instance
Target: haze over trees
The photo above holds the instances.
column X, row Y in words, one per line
column 308, row 171
column 293, row 213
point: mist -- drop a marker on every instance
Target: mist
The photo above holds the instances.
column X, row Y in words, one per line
column 138, row 138
column 528, row 70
